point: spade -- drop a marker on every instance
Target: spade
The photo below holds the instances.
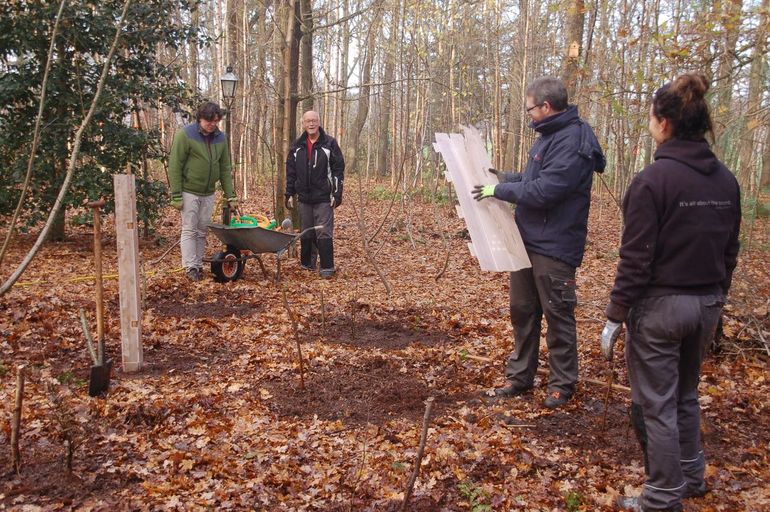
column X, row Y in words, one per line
column 99, row 379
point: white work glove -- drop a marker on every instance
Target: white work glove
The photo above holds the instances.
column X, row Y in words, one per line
column 610, row 335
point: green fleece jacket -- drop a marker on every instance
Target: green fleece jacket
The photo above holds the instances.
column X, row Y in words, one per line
column 197, row 162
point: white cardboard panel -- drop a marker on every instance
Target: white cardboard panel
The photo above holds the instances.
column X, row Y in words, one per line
column 496, row 242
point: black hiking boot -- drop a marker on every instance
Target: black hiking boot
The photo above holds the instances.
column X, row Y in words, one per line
column 511, row 390
column 556, row 399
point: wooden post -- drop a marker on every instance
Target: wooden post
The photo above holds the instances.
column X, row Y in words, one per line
column 128, row 272
column 97, row 210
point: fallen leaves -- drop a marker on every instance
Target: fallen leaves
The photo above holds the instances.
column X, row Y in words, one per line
column 217, row 419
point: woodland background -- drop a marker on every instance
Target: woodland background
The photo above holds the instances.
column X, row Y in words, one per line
column 218, row 419
column 384, row 75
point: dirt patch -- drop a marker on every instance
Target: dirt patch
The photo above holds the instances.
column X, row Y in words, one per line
column 373, row 392
column 418, row 503
column 213, row 309
column 160, row 358
column 43, row 477
column 383, row 334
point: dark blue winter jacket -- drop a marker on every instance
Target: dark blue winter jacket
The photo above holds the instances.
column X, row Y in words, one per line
column 553, row 193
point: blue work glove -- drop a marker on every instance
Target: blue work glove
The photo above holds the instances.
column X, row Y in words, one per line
column 176, row 202
column 610, row 335
column 494, row 171
column 483, row 191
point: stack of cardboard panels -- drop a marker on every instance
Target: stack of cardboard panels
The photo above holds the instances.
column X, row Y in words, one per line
column 495, row 239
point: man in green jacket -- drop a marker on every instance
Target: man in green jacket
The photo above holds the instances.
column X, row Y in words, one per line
column 199, row 158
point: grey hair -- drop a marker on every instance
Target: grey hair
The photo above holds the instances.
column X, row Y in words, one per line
column 549, row 89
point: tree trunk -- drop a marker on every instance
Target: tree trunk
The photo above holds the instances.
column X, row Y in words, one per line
column 570, row 71
column 290, row 68
column 306, row 55
column 194, row 63
column 387, row 91
column 58, row 229
column 731, row 22
column 233, row 32
column 342, row 76
column 765, row 178
column 364, row 96
column 294, row 37
column 747, row 163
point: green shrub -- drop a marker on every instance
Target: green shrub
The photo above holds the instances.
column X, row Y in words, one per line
column 476, row 496
column 573, row 500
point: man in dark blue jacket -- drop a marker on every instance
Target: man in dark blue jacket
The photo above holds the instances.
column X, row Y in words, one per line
column 315, row 169
column 552, row 198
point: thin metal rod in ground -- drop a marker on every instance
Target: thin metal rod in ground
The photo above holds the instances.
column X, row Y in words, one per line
column 16, row 425
column 296, row 332
column 610, row 376
column 420, row 451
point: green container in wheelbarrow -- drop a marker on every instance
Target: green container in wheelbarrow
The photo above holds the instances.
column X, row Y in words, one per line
column 246, row 221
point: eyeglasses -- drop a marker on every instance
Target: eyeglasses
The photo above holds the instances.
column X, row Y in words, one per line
column 528, row 110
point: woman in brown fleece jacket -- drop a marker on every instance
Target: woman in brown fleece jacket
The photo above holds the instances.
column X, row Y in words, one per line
column 679, row 249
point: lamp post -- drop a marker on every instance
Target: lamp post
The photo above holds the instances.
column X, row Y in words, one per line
column 228, row 81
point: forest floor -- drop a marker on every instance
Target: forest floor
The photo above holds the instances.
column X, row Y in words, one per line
column 218, row 418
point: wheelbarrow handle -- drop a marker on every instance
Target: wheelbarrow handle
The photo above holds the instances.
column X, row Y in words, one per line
column 311, row 228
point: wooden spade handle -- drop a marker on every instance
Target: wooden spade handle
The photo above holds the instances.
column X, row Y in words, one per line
column 97, row 205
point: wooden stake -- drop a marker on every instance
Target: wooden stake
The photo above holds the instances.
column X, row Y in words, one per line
column 323, row 314
column 16, row 425
column 420, row 451
column 296, row 333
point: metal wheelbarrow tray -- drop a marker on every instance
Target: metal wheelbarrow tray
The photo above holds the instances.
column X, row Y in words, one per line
column 243, row 243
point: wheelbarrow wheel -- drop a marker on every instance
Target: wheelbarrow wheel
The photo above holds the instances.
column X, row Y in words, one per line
column 227, row 266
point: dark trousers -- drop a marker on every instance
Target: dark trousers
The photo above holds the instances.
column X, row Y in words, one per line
column 318, row 241
column 666, row 340
column 548, row 288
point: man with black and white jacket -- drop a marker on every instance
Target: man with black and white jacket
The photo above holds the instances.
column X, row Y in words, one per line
column 315, row 169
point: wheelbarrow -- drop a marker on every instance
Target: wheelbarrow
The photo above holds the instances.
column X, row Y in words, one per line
column 243, row 243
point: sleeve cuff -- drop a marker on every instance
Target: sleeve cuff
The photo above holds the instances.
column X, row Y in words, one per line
column 616, row 313
column 509, row 177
